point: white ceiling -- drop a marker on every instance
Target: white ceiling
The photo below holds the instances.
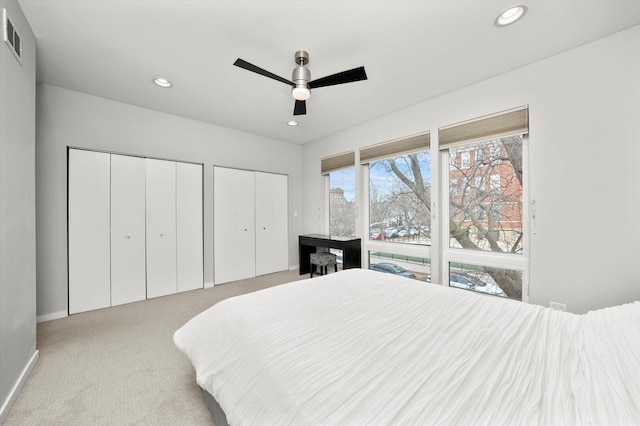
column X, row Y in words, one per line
column 411, row 50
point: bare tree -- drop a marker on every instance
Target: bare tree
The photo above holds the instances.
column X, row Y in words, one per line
column 342, row 217
column 485, row 200
column 413, row 194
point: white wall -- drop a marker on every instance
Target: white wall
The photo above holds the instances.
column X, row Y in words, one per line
column 584, row 151
column 68, row 118
column 18, row 353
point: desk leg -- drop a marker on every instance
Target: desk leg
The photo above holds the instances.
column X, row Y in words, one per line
column 305, row 261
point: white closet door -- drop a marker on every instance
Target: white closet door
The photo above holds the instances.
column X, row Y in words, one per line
column 128, row 272
column 233, row 224
column 272, row 243
column 89, row 236
column 189, row 226
column 161, row 227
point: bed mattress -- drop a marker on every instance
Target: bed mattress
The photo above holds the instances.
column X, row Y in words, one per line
column 362, row 347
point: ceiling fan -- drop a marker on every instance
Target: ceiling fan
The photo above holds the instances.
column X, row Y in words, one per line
column 301, row 76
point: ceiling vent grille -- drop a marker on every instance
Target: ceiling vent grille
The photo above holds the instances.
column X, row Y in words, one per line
column 11, row 36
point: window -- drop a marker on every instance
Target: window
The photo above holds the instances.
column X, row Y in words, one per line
column 407, row 266
column 341, row 172
column 400, row 199
column 342, row 204
column 488, row 280
column 495, row 182
column 399, row 174
column 490, row 221
column 487, row 230
column 481, row 223
column 465, row 159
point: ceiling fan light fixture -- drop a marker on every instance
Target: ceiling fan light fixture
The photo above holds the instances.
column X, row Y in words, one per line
column 510, row 15
column 301, row 93
column 300, row 77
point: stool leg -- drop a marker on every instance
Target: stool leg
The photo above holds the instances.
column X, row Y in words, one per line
column 312, row 268
column 335, row 265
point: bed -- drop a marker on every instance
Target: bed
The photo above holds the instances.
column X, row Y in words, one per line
column 360, row 347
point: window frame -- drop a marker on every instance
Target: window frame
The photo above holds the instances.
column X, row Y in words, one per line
column 511, row 261
column 512, row 122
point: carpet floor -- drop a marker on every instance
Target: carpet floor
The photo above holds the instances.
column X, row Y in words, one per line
column 119, row 366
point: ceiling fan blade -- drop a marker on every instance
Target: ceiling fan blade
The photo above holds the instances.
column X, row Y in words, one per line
column 250, row 67
column 350, row 76
column 300, row 108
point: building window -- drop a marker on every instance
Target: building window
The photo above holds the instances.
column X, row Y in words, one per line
column 465, row 159
column 342, row 204
column 495, row 182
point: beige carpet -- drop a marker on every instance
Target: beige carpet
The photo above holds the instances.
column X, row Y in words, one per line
column 119, row 366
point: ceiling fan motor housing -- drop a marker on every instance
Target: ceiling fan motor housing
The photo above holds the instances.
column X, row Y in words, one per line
column 301, row 76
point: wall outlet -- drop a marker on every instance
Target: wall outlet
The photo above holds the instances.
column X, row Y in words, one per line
column 558, row 306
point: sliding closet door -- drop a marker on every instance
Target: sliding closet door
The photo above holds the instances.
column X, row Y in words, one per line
column 161, row 227
column 189, row 226
column 89, row 236
column 233, row 224
column 128, row 273
column 272, row 243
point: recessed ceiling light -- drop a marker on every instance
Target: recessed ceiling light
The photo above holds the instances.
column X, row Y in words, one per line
column 510, row 15
column 163, row 82
column 292, row 123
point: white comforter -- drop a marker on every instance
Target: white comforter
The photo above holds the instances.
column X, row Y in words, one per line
column 364, row 348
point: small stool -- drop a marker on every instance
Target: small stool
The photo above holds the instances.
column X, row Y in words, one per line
column 323, row 259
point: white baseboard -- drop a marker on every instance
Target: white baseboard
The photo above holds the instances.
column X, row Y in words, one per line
column 208, row 285
column 294, row 267
column 53, row 316
column 13, row 395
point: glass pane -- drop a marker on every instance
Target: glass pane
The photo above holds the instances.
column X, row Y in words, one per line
column 485, row 195
column 339, row 256
column 407, row 266
column 342, row 206
column 400, row 199
column 485, row 279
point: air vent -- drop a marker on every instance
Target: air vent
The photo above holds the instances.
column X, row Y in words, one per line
column 11, row 36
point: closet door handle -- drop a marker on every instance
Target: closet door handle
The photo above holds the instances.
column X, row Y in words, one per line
column 128, row 237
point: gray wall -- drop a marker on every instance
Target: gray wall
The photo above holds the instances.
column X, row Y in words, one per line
column 17, row 212
column 67, row 118
column 584, row 159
